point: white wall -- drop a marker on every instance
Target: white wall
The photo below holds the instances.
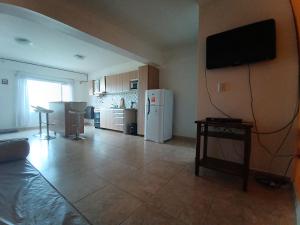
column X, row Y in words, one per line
column 179, row 74
column 8, row 92
column 274, row 82
column 89, row 26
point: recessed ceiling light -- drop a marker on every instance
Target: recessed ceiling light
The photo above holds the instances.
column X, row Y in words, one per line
column 78, row 56
column 23, row 41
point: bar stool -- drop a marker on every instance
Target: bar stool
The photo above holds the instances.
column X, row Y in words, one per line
column 78, row 115
column 48, row 137
column 40, row 120
column 41, row 110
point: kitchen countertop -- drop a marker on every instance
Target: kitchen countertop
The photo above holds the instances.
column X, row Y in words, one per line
column 99, row 109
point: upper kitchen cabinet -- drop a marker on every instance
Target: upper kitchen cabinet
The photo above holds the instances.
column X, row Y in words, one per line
column 134, row 75
column 120, row 82
column 113, row 84
column 148, row 77
column 110, row 84
column 126, row 82
column 127, row 77
column 96, row 87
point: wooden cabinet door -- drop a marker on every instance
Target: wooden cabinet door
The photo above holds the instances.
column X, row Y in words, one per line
column 143, row 84
column 153, row 78
column 118, row 119
column 114, row 79
column 106, row 119
column 109, row 84
column 125, row 82
column 148, row 77
column 103, row 119
column 133, row 75
column 110, row 123
column 119, row 83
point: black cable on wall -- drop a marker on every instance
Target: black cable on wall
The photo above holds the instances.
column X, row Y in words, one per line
column 288, row 125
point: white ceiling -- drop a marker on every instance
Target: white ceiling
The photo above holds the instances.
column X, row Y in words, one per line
column 53, row 48
column 164, row 23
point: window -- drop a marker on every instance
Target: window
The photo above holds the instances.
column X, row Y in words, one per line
column 40, row 93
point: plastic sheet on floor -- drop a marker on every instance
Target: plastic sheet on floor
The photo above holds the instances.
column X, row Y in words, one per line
column 27, row 198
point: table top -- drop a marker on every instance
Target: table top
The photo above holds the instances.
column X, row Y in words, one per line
column 41, row 109
column 242, row 125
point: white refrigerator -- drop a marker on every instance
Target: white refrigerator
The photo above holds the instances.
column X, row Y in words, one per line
column 158, row 115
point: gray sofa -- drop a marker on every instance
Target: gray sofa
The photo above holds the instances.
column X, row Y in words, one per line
column 26, row 197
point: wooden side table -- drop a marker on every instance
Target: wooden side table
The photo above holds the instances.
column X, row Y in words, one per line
column 228, row 130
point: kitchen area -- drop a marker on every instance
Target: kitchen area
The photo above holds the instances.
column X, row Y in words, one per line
column 119, row 99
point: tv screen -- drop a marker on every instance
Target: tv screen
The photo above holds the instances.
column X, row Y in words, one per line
column 251, row 43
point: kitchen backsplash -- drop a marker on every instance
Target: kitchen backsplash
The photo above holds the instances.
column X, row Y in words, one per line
column 108, row 100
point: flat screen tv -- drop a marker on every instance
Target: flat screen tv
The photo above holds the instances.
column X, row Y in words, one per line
column 248, row 44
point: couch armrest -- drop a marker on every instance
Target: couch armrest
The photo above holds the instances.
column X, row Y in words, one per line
column 14, row 149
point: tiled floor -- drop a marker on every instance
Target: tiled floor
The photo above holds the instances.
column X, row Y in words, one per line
column 115, row 179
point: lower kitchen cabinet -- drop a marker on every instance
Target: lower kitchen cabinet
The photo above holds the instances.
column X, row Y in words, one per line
column 117, row 119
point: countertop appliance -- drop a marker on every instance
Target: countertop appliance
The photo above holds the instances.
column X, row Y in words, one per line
column 158, row 115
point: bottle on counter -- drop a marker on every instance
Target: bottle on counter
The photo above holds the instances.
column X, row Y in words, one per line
column 122, row 103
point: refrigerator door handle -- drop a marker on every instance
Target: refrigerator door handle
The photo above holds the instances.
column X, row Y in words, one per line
column 148, row 106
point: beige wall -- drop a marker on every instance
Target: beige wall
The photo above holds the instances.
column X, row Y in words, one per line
column 179, row 74
column 274, row 82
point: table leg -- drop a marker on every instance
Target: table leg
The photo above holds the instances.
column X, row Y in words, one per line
column 247, row 150
column 47, row 123
column 40, row 123
column 198, row 147
column 205, row 142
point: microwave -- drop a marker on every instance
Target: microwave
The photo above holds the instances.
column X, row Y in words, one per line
column 134, row 84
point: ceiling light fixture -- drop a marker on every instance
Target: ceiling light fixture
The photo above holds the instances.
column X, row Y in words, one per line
column 78, row 56
column 23, row 41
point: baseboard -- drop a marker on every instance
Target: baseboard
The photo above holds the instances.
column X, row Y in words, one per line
column 271, row 175
column 13, row 130
column 29, row 128
column 7, row 131
column 190, row 139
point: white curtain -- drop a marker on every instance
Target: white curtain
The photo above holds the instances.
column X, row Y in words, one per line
column 25, row 116
column 22, row 102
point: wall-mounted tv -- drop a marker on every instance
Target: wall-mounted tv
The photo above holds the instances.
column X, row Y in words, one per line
column 251, row 43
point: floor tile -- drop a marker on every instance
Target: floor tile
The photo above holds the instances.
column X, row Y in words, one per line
column 163, row 169
column 77, row 186
column 115, row 178
column 187, row 202
column 108, row 206
column 147, row 216
column 140, row 184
